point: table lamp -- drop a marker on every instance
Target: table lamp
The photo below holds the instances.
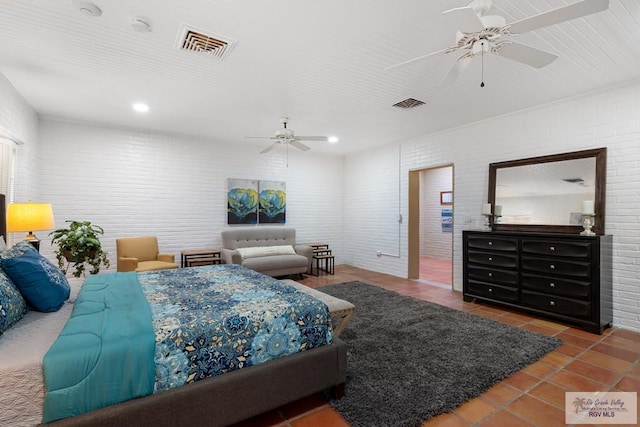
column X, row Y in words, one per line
column 29, row 217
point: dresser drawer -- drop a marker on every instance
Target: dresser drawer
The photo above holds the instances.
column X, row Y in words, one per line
column 491, row 275
column 497, row 292
column 554, row 267
column 557, row 286
column 558, row 305
column 494, row 260
column 492, row 243
column 555, row 248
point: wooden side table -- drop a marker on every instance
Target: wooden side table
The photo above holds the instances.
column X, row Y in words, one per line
column 198, row 257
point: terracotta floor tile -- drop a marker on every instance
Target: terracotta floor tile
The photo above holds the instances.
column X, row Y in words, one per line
column 501, row 393
column 540, row 369
column 605, row 361
column 549, row 325
column 570, row 350
column 540, row 329
column 503, row 419
column 324, row 417
column 550, row 393
column 557, row 359
column 596, row 373
column 620, row 353
column 446, row 420
column 537, row 412
column 521, row 381
column 623, row 333
column 629, row 383
column 474, row 410
column 619, row 340
column 575, row 382
column 578, row 341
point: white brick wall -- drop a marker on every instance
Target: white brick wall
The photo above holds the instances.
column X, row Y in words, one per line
column 604, row 119
column 143, row 183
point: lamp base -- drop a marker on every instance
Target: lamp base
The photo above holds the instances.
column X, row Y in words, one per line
column 33, row 239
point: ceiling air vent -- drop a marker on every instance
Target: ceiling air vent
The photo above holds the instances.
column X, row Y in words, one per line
column 195, row 40
column 408, row 103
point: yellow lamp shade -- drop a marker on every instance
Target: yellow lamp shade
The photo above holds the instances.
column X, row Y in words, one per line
column 29, row 217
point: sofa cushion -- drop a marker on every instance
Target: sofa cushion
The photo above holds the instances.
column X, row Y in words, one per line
column 262, row 251
column 276, row 262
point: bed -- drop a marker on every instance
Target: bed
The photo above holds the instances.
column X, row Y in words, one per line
column 202, row 395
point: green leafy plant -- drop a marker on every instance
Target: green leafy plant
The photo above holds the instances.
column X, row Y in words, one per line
column 79, row 245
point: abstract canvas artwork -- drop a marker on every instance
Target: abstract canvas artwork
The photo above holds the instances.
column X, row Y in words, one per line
column 273, row 202
column 242, row 201
column 250, row 201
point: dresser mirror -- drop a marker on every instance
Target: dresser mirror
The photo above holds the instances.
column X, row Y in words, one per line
column 549, row 193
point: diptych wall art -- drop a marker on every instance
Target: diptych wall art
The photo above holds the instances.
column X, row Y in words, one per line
column 251, row 201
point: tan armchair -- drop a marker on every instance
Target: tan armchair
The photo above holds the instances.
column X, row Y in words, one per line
column 142, row 254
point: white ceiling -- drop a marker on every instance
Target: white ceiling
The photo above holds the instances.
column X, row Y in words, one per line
column 319, row 62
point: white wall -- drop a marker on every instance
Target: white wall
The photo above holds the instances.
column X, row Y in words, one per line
column 19, row 121
column 604, row 119
column 142, row 183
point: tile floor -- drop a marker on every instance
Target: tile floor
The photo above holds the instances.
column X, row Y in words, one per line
column 531, row 397
column 436, row 270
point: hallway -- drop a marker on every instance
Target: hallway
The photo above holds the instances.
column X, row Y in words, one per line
column 436, row 271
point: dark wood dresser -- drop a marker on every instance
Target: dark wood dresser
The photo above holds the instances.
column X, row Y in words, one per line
column 563, row 277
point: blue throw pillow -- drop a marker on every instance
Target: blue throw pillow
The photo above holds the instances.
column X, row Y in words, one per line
column 12, row 305
column 42, row 284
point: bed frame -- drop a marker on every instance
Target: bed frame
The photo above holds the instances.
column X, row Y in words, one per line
column 231, row 397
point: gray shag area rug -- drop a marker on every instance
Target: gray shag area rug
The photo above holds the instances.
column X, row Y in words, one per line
column 410, row 360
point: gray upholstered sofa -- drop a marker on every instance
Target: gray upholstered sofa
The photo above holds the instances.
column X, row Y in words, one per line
column 268, row 250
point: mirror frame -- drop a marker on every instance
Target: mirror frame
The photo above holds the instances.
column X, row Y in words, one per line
column 600, row 155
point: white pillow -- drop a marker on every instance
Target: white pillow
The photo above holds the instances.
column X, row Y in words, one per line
column 260, row 251
column 3, row 245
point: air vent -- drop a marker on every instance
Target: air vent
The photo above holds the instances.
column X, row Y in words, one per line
column 574, row 180
column 408, row 103
column 195, row 40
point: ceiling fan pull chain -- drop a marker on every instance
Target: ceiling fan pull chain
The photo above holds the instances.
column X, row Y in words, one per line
column 482, row 68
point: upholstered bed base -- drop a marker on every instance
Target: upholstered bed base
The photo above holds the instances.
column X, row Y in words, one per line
column 231, row 397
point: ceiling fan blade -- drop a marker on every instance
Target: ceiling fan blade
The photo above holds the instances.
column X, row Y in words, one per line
column 527, row 55
column 270, row 147
column 456, row 71
column 465, row 19
column 312, row 138
column 566, row 13
column 416, row 59
column 299, row 145
column 259, row 137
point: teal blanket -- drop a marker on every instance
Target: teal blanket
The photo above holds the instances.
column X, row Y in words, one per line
column 111, row 317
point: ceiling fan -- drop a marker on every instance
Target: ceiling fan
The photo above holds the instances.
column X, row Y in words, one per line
column 287, row 136
column 479, row 34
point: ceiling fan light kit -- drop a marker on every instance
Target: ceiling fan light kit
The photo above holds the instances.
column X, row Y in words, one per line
column 479, row 33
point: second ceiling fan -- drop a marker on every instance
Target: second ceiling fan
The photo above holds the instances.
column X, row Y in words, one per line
column 287, row 136
column 479, row 33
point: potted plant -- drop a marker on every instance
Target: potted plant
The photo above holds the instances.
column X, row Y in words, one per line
column 80, row 244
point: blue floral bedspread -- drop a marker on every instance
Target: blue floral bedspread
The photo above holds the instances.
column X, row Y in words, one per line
column 214, row 319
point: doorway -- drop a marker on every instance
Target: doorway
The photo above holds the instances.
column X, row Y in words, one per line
column 431, row 225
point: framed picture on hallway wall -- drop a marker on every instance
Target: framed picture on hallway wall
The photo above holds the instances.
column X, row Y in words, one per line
column 446, row 197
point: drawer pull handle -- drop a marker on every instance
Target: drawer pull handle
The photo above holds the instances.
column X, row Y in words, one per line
column 552, row 248
column 552, row 303
column 553, row 267
column 490, row 290
column 490, row 243
column 490, row 274
column 490, row 259
column 552, row 285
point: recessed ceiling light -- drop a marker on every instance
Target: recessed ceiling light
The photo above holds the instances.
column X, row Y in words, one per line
column 86, row 8
column 333, row 139
column 140, row 107
column 141, row 24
